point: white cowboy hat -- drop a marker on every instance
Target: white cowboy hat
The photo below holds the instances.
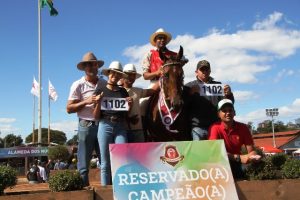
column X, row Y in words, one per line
column 115, row 66
column 130, row 68
column 160, row 31
column 87, row 58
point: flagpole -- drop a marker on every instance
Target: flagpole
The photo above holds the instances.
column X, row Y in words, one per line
column 48, row 120
column 40, row 77
column 33, row 120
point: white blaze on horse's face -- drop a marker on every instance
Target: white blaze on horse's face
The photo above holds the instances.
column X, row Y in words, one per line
column 172, row 85
column 173, row 69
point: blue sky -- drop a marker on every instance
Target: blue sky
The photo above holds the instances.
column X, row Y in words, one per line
column 252, row 45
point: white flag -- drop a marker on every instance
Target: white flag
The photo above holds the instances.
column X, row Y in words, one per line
column 35, row 88
column 52, row 92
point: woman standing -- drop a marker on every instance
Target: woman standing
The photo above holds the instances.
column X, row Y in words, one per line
column 111, row 109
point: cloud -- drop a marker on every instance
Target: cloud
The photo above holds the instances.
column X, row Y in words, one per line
column 6, row 126
column 283, row 73
column 244, row 95
column 290, row 110
column 7, row 129
column 236, row 57
column 68, row 127
column 268, row 23
column 286, row 113
column 7, row 120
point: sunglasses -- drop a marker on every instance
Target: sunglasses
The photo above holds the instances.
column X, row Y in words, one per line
column 203, row 69
column 160, row 37
column 90, row 64
column 227, row 110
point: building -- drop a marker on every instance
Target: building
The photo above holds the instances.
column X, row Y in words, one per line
column 264, row 124
column 287, row 141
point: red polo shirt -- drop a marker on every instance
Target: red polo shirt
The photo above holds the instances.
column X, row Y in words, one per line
column 233, row 138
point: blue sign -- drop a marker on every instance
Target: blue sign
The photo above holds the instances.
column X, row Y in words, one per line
column 23, row 152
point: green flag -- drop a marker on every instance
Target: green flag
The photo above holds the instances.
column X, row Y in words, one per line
column 49, row 3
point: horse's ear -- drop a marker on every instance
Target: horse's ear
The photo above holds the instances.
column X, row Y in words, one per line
column 180, row 54
column 162, row 56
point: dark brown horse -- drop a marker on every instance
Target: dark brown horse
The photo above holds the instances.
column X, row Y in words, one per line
column 166, row 119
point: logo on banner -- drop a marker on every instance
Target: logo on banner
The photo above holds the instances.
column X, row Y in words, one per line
column 172, row 156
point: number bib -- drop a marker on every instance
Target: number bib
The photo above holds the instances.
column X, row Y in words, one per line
column 111, row 103
column 211, row 90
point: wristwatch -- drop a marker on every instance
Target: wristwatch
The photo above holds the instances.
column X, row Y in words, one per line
column 237, row 158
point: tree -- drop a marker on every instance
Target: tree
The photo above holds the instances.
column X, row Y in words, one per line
column 59, row 152
column 12, row 140
column 266, row 127
column 251, row 127
column 279, row 126
column 73, row 141
column 56, row 136
column 1, row 143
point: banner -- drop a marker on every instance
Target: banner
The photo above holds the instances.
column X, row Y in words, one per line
column 23, row 152
column 171, row 170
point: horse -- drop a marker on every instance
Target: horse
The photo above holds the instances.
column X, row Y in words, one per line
column 166, row 117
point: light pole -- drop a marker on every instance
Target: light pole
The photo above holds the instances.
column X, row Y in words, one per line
column 271, row 113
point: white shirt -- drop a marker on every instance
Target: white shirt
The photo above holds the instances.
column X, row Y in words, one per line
column 136, row 94
column 42, row 173
column 81, row 90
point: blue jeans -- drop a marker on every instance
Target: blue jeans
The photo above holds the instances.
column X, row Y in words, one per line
column 199, row 133
column 87, row 142
column 109, row 133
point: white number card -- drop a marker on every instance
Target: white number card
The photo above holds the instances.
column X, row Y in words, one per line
column 111, row 103
column 211, row 90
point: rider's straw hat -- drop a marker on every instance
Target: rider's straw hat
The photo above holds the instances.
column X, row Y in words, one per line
column 160, row 32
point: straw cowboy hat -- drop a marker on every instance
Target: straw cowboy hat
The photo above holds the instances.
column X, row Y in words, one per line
column 87, row 58
column 160, row 32
column 115, row 66
column 130, row 68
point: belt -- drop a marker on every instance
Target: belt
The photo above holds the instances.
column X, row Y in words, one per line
column 113, row 118
column 154, row 80
column 90, row 122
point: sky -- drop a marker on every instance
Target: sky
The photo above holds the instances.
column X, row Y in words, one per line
column 254, row 46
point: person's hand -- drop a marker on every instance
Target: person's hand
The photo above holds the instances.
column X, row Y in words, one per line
column 227, row 90
column 130, row 101
column 245, row 158
column 97, row 98
column 159, row 72
column 194, row 89
column 89, row 100
column 255, row 158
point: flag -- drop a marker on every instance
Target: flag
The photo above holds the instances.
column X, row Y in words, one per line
column 52, row 92
column 35, row 88
column 49, row 3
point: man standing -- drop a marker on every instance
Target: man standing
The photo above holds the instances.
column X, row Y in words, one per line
column 235, row 135
column 135, row 128
column 202, row 107
column 80, row 101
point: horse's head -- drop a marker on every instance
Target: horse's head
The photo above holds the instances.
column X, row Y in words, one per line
column 173, row 77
